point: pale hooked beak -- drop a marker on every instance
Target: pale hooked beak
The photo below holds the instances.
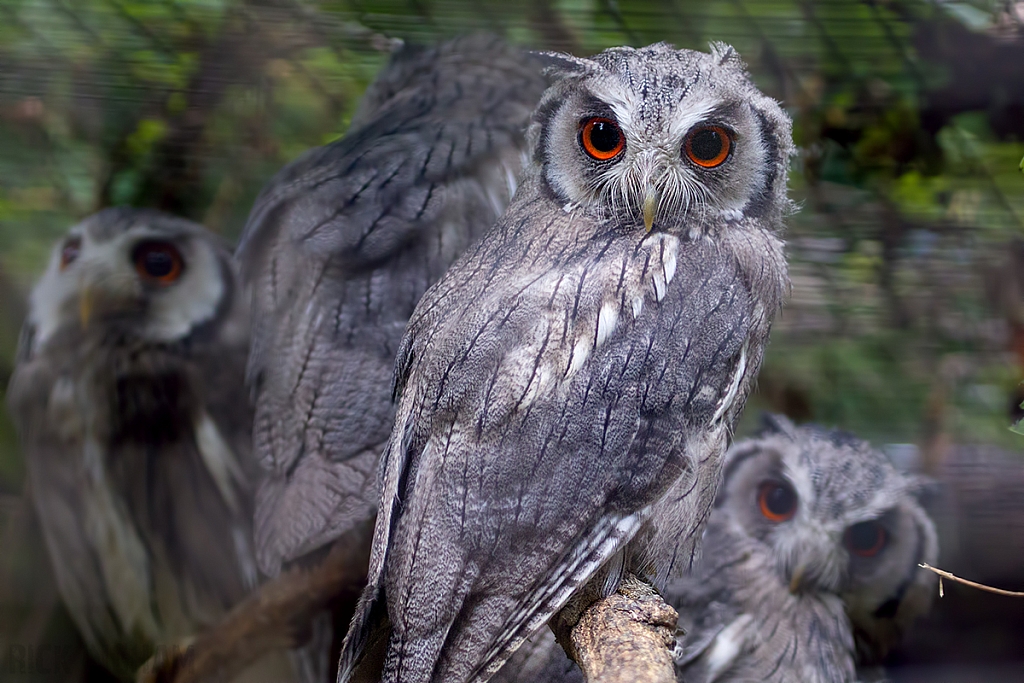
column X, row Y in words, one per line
column 85, row 305
column 794, row 583
column 650, row 205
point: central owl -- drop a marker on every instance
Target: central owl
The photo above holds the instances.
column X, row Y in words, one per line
column 568, row 388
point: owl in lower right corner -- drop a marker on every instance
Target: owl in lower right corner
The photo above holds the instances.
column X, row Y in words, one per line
column 810, row 563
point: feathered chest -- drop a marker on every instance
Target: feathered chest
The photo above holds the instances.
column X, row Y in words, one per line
column 140, row 393
column 618, row 314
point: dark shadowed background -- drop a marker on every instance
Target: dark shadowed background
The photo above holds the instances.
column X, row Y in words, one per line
column 906, row 322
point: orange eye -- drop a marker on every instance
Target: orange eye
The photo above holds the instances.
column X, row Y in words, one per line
column 602, row 138
column 69, row 253
column 866, row 539
column 158, row 262
column 777, row 501
column 708, row 146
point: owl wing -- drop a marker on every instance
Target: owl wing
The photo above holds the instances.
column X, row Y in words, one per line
column 503, row 495
column 337, row 251
column 540, row 660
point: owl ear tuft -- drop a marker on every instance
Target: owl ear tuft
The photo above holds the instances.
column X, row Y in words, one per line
column 774, row 423
column 564, row 65
column 723, row 53
column 926, row 490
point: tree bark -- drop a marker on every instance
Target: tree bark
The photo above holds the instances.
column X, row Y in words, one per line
column 627, row 637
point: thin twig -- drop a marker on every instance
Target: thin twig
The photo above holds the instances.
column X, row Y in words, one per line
column 980, row 586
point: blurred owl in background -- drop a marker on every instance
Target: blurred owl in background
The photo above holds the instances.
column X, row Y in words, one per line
column 810, row 563
column 338, row 249
column 130, row 402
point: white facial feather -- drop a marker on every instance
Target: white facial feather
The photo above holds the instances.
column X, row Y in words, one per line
column 180, row 308
column 105, row 269
column 653, row 164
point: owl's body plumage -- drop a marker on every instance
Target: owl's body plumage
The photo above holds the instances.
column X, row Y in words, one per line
column 570, row 384
column 810, row 563
column 127, row 398
column 340, row 247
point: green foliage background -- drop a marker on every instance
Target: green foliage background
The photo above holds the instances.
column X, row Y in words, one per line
column 907, row 177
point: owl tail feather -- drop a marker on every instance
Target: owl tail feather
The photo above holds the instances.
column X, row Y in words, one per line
column 365, row 644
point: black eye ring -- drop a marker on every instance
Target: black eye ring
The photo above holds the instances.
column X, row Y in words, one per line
column 158, row 262
column 866, row 539
column 708, row 146
column 70, row 251
column 601, row 138
column 777, row 501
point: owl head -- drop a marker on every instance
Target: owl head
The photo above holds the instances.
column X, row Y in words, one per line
column 837, row 518
column 674, row 140
column 144, row 273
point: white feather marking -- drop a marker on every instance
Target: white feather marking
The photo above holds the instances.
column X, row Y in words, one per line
column 734, row 385
column 638, row 305
column 659, row 286
column 580, row 353
column 246, row 562
column 569, row 207
column 511, row 179
column 758, row 314
column 543, row 380
column 124, row 561
column 698, row 108
column 728, row 644
column 497, row 200
column 219, row 460
column 669, row 265
column 607, row 320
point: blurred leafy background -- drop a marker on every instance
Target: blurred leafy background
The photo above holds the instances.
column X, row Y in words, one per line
column 906, row 322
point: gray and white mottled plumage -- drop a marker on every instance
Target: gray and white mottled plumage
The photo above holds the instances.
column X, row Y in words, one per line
column 129, row 397
column 337, row 251
column 570, row 384
column 816, row 584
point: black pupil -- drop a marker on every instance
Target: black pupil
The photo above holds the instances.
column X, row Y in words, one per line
column 780, row 500
column 864, row 536
column 604, row 136
column 157, row 263
column 706, row 144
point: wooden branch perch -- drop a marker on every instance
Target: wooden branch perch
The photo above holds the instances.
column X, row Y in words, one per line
column 269, row 618
column 627, row 637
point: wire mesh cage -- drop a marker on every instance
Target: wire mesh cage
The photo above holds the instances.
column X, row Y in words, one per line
column 905, row 323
